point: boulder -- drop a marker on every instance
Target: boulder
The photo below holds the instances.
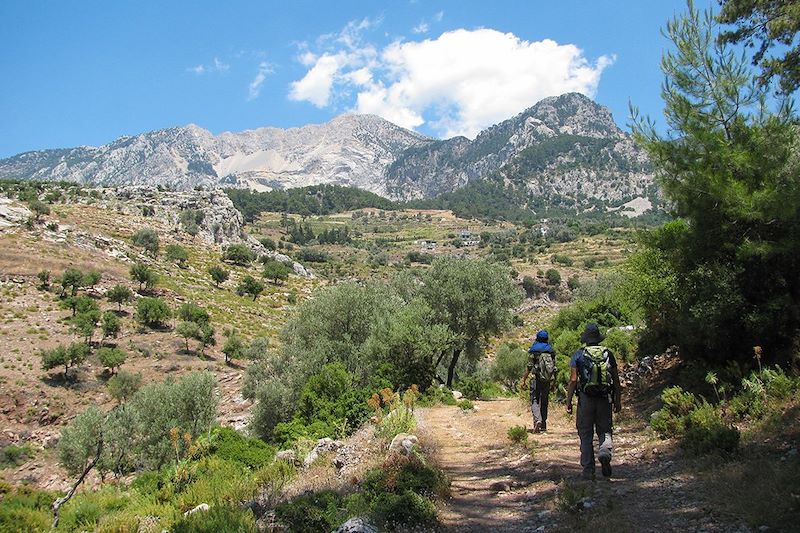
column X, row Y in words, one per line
column 356, row 525
column 403, row 443
column 323, row 446
column 201, row 507
column 457, row 395
column 286, row 455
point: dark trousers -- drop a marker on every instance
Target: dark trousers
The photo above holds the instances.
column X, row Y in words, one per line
column 594, row 417
column 540, row 397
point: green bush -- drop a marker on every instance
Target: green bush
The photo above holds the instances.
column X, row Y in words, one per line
column 552, row 276
column 708, row 433
column 147, row 238
column 437, row 395
column 509, row 364
column 13, row 455
column 466, row 405
column 622, row 344
column 671, row 420
column 229, row 444
column 230, row 518
column 471, row 387
column 25, row 509
column 312, row 513
column 562, row 259
column 518, row 434
column 152, row 312
column 238, row 254
column 406, row 510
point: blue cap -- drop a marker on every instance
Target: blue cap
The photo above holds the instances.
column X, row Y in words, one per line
column 542, row 336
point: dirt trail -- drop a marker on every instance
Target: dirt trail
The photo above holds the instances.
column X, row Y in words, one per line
column 500, row 487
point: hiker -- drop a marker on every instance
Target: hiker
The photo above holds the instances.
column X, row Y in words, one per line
column 542, row 364
column 593, row 373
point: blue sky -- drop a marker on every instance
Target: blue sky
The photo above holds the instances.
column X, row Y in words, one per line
column 86, row 72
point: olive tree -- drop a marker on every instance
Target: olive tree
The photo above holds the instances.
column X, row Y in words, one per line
column 474, row 298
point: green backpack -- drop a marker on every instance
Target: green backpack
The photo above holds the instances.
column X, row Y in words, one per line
column 545, row 367
column 595, row 376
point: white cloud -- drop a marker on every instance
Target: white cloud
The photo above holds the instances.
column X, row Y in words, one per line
column 254, row 89
column 422, row 27
column 438, row 16
column 458, row 83
column 219, row 66
column 215, row 67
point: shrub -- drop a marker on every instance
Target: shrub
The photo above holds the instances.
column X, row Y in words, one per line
column 24, row 508
column 671, row 420
column 147, row 238
column 119, row 294
column 276, row 271
column 44, row 280
column 234, row 347
column 466, row 405
column 471, row 387
column 152, row 312
column 708, row 433
column 518, row 434
column 110, row 324
column 218, row 274
column 177, row 254
column 238, row 254
column 225, row 517
column 562, row 259
column 123, row 385
column 71, row 279
column 111, row 358
column 532, row 286
column 12, row 455
column 312, row 513
column 229, row 444
column 409, row 509
column 552, row 276
column 142, row 274
column 92, row 278
column 66, row 356
column 250, row 286
column 274, row 404
column 191, row 312
column 267, row 243
column 509, row 365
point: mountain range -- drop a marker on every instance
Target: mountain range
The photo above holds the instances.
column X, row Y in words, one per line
column 563, row 148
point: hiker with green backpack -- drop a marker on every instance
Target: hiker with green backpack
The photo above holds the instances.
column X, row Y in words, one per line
column 542, row 366
column 593, row 373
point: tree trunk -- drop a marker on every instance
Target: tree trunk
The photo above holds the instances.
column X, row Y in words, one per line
column 451, row 370
column 56, row 506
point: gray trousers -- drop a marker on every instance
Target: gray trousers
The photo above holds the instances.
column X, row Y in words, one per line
column 594, row 417
column 540, row 397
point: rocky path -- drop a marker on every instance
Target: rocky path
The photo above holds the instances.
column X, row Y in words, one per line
column 501, row 487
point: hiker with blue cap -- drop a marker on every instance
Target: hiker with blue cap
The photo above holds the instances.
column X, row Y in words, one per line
column 542, row 365
column 593, row 373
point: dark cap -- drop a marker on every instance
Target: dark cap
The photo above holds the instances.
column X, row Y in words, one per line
column 542, row 336
column 591, row 335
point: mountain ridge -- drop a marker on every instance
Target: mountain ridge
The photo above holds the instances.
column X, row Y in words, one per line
column 559, row 148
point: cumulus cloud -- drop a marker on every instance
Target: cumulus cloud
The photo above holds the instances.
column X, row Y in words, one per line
column 457, row 84
column 254, row 89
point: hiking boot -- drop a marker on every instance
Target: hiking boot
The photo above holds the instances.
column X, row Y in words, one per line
column 537, row 427
column 586, row 475
column 605, row 464
column 543, row 427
